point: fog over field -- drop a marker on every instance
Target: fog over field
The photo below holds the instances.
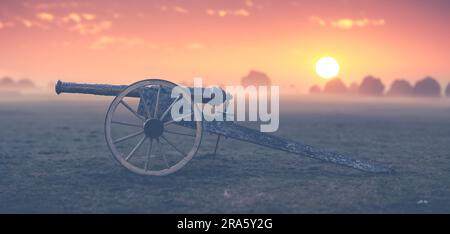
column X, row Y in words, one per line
column 53, row 158
column 365, row 84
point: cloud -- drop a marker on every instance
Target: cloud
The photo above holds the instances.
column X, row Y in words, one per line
column 241, row 12
column 125, row 43
column 27, row 23
column 92, row 28
column 210, row 12
column 195, row 46
column 74, row 17
column 78, row 17
column 254, row 4
column 318, row 20
column 223, row 13
column 88, row 16
column 4, row 25
column 249, row 3
column 52, row 5
column 358, row 23
column 181, row 10
column 176, row 9
column 86, row 23
column 45, row 16
column 106, row 42
column 347, row 23
column 82, row 22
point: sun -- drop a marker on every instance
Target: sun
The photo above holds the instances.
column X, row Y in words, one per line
column 327, row 68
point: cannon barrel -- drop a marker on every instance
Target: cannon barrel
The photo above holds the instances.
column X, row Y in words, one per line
column 114, row 90
column 95, row 89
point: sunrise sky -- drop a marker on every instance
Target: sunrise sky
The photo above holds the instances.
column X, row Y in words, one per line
column 120, row 42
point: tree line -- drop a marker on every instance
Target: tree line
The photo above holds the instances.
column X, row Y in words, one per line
column 373, row 86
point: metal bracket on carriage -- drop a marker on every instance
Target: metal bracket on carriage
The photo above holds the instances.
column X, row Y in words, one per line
column 155, row 103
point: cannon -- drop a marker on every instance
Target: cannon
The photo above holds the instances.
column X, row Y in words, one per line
column 171, row 143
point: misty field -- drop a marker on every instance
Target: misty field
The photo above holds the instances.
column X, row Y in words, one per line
column 54, row 159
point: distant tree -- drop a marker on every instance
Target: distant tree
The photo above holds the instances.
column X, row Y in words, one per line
column 256, row 78
column 26, row 83
column 315, row 89
column 447, row 90
column 6, row 81
column 335, row 86
column 354, row 87
column 400, row 88
column 427, row 87
column 371, row 86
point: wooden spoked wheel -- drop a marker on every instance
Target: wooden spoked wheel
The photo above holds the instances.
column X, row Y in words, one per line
column 149, row 141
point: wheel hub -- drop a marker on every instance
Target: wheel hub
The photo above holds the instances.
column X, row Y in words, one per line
column 153, row 128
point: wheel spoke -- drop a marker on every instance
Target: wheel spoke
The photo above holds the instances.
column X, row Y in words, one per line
column 131, row 110
column 128, row 137
column 179, row 133
column 176, row 120
column 168, row 108
column 149, row 152
column 135, row 148
column 143, row 100
column 126, row 124
column 163, row 155
column 173, row 146
column 157, row 102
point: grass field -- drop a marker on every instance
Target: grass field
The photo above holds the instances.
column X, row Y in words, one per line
column 54, row 159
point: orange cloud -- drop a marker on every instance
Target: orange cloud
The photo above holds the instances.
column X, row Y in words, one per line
column 195, row 46
column 45, row 16
column 347, row 23
column 177, row 9
column 54, row 5
column 181, row 10
column 254, row 4
column 92, row 28
column 359, row 23
column 210, row 12
column 106, row 42
column 4, row 25
column 25, row 22
column 241, row 12
column 223, row 13
column 318, row 20
column 83, row 23
column 249, row 3
column 74, row 17
column 86, row 24
column 88, row 16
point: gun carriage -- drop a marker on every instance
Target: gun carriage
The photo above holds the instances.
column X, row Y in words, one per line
column 153, row 122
